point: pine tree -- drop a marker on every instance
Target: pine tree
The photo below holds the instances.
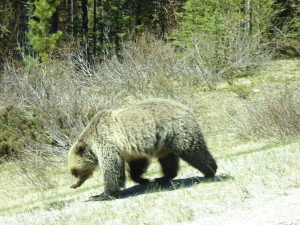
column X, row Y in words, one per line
column 39, row 35
column 200, row 17
column 113, row 24
column 295, row 33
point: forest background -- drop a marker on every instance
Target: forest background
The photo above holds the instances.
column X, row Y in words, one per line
column 42, row 29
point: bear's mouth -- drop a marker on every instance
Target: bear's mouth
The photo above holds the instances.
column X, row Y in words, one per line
column 77, row 182
column 75, row 186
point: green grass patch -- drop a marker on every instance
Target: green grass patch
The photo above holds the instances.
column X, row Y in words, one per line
column 242, row 90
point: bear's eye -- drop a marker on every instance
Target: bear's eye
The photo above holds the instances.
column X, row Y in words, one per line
column 80, row 150
column 74, row 173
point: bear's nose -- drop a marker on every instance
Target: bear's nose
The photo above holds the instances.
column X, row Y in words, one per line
column 74, row 186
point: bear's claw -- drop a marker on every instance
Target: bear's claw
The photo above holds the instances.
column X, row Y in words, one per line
column 101, row 197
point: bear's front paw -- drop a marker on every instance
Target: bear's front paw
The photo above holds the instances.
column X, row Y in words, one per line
column 102, row 197
column 143, row 181
column 162, row 181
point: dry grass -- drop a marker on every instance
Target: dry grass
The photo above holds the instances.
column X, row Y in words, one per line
column 35, row 190
column 274, row 110
column 275, row 116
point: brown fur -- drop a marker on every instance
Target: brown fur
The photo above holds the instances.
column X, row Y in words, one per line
column 158, row 128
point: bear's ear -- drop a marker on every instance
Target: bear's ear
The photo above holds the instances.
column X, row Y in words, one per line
column 81, row 146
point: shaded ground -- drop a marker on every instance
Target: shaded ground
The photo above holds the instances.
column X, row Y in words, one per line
column 170, row 186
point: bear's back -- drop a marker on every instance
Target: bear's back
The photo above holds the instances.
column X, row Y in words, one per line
column 154, row 112
column 148, row 124
column 156, row 107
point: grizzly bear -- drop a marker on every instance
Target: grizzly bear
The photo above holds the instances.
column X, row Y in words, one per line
column 158, row 128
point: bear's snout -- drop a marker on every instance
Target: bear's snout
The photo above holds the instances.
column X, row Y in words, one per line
column 77, row 183
column 74, row 186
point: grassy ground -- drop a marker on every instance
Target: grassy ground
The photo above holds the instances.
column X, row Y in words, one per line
column 257, row 182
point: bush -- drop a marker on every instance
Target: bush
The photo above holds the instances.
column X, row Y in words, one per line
column 274, row 116
column 148, row 68
column 17, row 129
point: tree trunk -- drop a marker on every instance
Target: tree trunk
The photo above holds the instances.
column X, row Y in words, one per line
column 250, row 8
column 94, row 28
column 85, row 27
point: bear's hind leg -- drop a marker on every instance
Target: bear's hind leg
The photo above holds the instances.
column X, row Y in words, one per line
column 199, row 157
column 137, row 168
column 194, row 152
column 170, row 166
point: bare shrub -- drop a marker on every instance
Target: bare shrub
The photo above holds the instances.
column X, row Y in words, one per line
column 147, row 67
column 276, row 115
column 239, row 55
column 33, row 170
column 54, row 95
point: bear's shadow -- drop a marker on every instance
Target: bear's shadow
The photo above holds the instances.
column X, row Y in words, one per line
column 169, row 186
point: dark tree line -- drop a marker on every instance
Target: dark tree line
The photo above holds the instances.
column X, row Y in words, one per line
column 95, row 25
column 91, row 24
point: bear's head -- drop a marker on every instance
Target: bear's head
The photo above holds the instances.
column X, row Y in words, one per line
column 81, row 163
